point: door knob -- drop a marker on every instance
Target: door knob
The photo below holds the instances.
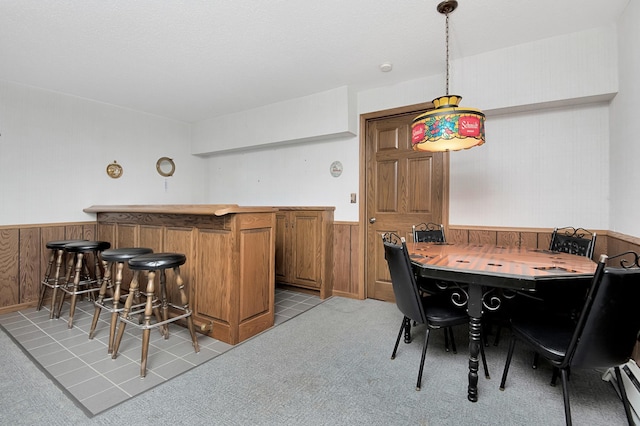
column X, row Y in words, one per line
column 372, row 220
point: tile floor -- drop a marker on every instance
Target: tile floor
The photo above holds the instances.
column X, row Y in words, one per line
column 96, row 382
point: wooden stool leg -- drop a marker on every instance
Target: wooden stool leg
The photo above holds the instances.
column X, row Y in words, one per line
column 97, row 264
column 146, row 332
column 103, row 290
column 133, row 291
column 164, row 329
column 74, row 296
column 47, row 274
column 185, row 305
column 116, row 303
column 67, row 280
column 56, row 282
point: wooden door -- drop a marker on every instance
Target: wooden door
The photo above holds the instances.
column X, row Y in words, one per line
column 403, row 187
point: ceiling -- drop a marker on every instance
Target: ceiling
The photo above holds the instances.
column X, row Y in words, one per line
column 195, row 59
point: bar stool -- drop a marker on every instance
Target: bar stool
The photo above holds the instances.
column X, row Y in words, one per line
column 57, row 254
column 153, row 263
column 84, row 281
column 110, row 258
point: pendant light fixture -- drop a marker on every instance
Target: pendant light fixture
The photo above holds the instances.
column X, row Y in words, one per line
column 448, row 127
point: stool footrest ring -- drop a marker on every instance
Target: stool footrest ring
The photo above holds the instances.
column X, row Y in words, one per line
column 157, row 324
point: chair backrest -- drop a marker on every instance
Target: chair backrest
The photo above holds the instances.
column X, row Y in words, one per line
column 578, row 241
column 428, row 233
column 608, row 325
column 403, row 281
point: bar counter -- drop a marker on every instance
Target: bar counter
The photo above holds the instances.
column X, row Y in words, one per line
column 230, row 249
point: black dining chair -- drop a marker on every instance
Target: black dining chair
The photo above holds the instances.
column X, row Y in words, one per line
column 604, row 335
column 578, row 241
column 428, row 233
column 434, row 311
column 432, row 233
column 566, row 298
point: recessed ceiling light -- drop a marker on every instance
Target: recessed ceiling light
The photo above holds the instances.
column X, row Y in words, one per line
column 386, row 67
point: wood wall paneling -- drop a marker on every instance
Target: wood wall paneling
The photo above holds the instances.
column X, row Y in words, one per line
column 24, row 259
column 9, row 267
column 29, row 266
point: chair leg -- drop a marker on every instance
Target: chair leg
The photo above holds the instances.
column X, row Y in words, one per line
column 407, row 330
column 446, row 339
column 512, row 346
column 623, row 396
column 484, row 363
column 565, row 393
column 453, row 342
column 424, row 354
column 534, row 364
column 496, row 340
column 554, row 376
column 395, row 348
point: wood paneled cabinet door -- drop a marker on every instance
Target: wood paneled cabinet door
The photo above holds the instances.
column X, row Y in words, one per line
column 303, row 249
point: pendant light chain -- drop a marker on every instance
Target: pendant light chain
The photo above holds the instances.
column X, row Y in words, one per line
column 447, row 47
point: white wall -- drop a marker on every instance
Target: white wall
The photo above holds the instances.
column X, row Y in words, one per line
column 292, row 175
column 54, row 150
column 542, row 111
column 538, row 169
column 625, row 140
column 547, row 111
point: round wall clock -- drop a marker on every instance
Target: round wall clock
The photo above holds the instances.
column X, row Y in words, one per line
column 114, row 170
column 335, row 169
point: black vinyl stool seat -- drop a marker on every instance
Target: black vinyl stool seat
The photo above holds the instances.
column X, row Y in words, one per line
column 153, row 263
column 84, row 280
column 114, row 257
column 56, row 254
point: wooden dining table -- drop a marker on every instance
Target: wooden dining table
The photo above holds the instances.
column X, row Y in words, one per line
column 484, row 273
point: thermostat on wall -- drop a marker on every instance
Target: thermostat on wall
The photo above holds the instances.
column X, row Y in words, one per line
column 336, row 169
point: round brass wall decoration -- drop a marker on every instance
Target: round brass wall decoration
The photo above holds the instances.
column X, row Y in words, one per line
column 114, row 170
column 165, row 166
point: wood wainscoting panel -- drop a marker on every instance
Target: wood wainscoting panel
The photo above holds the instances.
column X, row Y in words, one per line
column 346, row 280
column 9, row 267
column 24, row 258
column 108, row 232
column 483, row 236
column 530, row 239
column 29, row 255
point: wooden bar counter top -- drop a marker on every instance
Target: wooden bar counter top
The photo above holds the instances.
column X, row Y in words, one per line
column 230, row 249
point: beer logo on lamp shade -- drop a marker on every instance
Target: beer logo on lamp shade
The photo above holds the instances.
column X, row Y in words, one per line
column 469, row 126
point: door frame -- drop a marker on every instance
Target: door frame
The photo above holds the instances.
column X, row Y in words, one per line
column 362, row 234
